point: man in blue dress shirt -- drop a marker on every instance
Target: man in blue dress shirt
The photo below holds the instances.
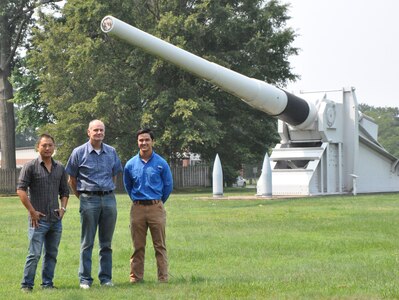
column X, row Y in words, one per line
column 92, row 169
column 148, row 181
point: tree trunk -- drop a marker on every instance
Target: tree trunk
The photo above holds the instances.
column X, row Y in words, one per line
column 7, row 122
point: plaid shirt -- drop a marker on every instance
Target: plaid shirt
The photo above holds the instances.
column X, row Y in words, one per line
column 44, row 186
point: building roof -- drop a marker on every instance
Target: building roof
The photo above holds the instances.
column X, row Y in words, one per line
column 24, row 155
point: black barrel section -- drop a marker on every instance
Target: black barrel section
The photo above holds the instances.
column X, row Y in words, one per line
column 296, row 111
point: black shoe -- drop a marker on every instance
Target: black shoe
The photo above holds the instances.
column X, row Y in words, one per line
column 48, row 287
column 26, row 289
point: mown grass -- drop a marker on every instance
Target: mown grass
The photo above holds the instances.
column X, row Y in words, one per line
column 339, row 247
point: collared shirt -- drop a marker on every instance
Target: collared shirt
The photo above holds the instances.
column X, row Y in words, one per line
column 151, row 180
column 94, row 171
column 43, row 186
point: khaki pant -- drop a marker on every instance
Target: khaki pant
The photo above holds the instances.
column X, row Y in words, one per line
column 143, row 217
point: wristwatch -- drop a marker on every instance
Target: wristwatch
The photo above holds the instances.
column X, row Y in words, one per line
column 63, row 208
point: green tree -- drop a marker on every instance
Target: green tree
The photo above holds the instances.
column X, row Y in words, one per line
column 387, row 119
column 25, row 137
column 85, row 74
column 31, row 109
column 15, row 22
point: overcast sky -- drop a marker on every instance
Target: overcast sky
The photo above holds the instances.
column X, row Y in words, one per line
column 347, row 43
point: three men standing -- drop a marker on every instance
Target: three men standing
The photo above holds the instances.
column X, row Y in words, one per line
column 92, row 169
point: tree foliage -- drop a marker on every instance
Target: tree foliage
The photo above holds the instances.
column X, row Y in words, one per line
column 15, row 21
column 84, row 75
column 387, row 119
column 31, row 109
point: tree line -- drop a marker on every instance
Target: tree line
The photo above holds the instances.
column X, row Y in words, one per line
column 70, row 73
column 73, row 73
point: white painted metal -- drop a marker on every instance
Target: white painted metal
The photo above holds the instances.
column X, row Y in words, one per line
column 264, row 184
column 354, row 189
column 217, row 178
column 349, row 140
column 256, row 93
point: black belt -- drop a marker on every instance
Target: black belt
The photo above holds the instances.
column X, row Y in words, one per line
column 146, row 202
column 97, row 193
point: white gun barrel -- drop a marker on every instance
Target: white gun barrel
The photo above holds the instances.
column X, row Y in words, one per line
column 258, row 94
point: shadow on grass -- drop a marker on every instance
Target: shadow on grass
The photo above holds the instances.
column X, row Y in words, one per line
column 189, row 279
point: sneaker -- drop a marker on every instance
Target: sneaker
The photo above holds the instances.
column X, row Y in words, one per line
column 108, row 284
column 84, row 286
column 26, row 289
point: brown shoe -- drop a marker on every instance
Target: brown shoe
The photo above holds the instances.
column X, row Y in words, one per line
column 135, row 280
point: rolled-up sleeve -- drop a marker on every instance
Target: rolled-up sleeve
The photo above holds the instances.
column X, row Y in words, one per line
column 64, row 189
column 24, row 178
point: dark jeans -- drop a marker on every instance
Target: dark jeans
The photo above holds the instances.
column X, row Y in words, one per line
column 96, row 211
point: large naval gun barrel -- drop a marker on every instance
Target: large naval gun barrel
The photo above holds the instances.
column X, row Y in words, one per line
column 258, row 94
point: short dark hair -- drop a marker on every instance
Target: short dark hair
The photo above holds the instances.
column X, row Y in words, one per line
column 145, row 130
column 44, row 135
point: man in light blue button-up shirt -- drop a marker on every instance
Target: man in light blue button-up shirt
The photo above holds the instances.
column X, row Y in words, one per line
column 148, row 181
column 92, row 169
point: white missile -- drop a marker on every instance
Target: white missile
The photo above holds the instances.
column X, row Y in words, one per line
column 217, row 178
column 264, row 185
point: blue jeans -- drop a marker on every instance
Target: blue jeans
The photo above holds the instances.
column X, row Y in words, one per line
column 48, row 234
column 96, row 211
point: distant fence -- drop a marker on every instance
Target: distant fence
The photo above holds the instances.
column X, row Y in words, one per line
column 191, row 176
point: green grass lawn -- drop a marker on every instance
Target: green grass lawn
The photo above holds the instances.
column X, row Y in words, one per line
column 339, row 247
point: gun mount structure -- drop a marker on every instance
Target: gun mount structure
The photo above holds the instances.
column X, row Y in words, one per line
column 326, row 147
